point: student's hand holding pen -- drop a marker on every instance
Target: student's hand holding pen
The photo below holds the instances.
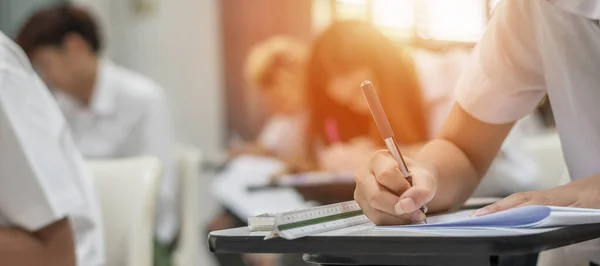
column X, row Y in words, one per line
column 387, row 181
column 386, row 197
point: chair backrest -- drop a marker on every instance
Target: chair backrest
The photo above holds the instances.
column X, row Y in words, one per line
column 127, row 189
column 188, row 247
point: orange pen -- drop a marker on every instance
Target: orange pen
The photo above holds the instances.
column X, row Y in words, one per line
column 385, row 129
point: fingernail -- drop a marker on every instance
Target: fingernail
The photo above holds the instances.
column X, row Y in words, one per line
column 418, row 216
column 398, row 209
column 405, row 206
column 480, row 212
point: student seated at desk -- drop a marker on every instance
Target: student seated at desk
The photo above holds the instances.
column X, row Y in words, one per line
column 275, row 70
column 530, row 49
column 112, row 111
column 48, row 210
column 349, row 52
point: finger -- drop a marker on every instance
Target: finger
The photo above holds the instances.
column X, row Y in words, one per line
column 422, row 191
column 376, row 216
column 376, row 195
column 545, row 197
column 509, row 202
column 387, row 173
column 413, row 199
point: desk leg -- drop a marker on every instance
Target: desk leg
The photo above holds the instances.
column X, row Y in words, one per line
column 384, row 260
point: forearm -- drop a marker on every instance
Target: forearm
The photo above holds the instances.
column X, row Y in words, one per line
column 460, row 155
column 456, row 176
column 52, row 246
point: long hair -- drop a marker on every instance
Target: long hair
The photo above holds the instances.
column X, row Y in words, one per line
column 347, row 46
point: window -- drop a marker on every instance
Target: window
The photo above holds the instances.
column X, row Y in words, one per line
column 439, row 20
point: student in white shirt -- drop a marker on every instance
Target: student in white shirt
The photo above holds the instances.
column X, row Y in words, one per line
column 513, row 170
column 112, row 112
column 274, row 69
column 48, row 210
column 530, row 49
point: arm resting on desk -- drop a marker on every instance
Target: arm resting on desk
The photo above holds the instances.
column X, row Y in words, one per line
column 52, row 245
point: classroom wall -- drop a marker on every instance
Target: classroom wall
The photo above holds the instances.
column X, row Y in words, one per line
column 13, row 12
column 176, row 42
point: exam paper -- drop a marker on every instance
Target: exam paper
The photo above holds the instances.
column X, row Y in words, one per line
column 522, row 217
column 230, row 188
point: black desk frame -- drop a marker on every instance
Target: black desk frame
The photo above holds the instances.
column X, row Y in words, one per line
column 399, row 251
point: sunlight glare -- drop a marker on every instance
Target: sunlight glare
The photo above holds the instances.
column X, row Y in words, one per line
column 394, row 13
column 456, row 20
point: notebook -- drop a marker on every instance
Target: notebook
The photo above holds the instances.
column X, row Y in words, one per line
column 522, row 217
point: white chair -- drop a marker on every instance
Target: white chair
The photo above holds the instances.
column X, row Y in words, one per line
column 127, row 190
column 188, row 248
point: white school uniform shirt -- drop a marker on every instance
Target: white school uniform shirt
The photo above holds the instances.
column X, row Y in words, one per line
column 283, row 133
column 42, row 174
column 512, row 170
column 128, row 117
column 537, row 47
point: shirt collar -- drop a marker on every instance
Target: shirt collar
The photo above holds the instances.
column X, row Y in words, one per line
column 586, row 8
column 104, row 97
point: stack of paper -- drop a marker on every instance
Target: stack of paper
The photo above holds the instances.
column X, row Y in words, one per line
column 522, row 217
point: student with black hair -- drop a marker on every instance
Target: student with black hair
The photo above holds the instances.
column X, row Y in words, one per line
column 112, row 111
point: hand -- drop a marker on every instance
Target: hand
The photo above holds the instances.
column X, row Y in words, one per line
column 386, row 197
column 346, row 157
column 583, row 193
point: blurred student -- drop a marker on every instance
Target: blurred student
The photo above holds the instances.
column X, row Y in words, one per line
column 48, row 210
column 349, row 52
column 275, row 69
column 112, row 111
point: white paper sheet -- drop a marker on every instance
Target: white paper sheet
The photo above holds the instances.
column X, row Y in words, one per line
column 230, row 188
column 523, row 217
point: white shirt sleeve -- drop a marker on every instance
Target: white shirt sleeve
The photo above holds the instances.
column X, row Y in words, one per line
column 283, row 134
column 271, row 134
column 504, row 80
column 37, row 156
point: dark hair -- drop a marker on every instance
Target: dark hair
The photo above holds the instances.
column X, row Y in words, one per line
column 49, row 27
column 350, row 45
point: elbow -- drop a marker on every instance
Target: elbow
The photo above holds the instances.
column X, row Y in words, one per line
column 58, row 242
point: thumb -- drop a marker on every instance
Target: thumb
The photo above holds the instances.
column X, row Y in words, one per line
column 413, row 199
column 422, row 191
